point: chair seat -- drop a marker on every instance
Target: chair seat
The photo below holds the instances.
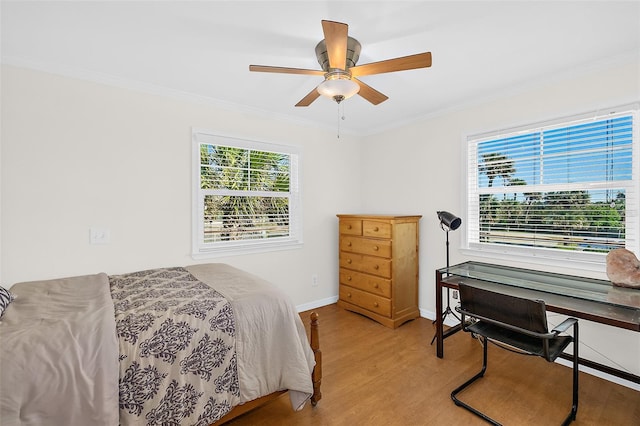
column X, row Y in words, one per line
column 521, row 341
column 517, row 323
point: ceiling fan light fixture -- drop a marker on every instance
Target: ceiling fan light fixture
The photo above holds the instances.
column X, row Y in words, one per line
column 338, row 86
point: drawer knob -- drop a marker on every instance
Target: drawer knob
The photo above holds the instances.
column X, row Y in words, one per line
column 349, row 244
column 348, row 226
column 375, row 229
column 348, row 260
column 349, row 278
column 376, row 267
column 376, row 285
column 375, row 304
column 376, row 248
column 348, row 294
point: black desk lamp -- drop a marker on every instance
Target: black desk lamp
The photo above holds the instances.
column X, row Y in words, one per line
column 448, row 222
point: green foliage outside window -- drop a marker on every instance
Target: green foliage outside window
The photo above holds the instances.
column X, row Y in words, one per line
column 249, row 193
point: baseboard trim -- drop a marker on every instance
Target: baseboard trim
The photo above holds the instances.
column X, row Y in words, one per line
column 317, row 304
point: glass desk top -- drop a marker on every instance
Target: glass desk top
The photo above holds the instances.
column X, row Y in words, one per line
column 565, row 285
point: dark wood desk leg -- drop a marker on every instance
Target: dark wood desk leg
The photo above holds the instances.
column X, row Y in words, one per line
column 439, row 323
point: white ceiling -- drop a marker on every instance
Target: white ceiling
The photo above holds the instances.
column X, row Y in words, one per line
column 481, row 49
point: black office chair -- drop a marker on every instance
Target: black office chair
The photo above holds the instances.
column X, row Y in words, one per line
column 516, row 324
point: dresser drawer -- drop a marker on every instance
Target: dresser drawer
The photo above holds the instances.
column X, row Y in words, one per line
column 350, row 244
column 351, row 226
column 350, row 260
column 376, row 265
column 371, row 302
column 376, row 229
column 368, row 246
column 373, row 247
column 368, row 283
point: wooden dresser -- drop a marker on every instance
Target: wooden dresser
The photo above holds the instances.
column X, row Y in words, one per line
column 379, row 267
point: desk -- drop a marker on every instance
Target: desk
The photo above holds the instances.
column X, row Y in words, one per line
column 585, row 298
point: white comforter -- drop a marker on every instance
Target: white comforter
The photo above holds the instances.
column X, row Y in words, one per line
column 59, row 354
column 59, row 351
column 272, row 346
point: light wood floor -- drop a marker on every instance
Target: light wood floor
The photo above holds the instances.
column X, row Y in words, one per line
column 373, row 375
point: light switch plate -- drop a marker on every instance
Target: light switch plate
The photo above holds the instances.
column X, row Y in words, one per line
column 99, row 235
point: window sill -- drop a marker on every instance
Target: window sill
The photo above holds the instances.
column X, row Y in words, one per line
column 591, row 262
column 243, row 249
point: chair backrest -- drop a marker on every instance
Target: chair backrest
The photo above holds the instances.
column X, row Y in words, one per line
column 517, row 311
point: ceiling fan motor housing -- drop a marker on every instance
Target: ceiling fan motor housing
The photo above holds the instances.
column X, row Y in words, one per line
column 353, row 53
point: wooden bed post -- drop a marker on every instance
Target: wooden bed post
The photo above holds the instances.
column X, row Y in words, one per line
column 316, row 375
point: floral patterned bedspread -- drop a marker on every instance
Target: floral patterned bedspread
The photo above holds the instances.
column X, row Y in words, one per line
column 178, row 362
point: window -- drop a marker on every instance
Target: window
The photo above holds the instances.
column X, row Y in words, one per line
column 246, row 195
column 566, row 190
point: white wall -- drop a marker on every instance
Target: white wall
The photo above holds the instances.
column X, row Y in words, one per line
column 77, row 154
column 424, row 173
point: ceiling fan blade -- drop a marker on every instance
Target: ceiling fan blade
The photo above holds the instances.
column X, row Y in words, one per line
column 284, row 70
column 419, row 60
column 311, row 96
column 370, row 94
column 335, row 37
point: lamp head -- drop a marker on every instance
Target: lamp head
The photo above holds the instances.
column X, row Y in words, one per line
column 449, row 220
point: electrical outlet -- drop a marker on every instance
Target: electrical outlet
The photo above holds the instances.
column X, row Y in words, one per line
column 314, row 280
column 455, row 294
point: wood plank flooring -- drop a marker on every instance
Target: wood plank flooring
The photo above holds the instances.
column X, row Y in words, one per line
column 373, row 375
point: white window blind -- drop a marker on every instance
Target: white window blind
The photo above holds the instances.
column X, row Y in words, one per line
column 247, row 195
column 567, row 190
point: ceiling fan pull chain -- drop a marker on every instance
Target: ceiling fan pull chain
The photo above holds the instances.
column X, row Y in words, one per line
column 340, row 116
column 338, row 121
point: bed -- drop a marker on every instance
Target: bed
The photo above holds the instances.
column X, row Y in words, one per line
column 194, row 345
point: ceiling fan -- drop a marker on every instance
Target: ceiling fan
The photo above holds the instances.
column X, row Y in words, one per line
column 337, row 55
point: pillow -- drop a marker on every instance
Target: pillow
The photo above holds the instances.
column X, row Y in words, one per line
column 5, row 298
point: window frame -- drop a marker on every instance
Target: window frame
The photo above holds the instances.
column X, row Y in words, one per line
column 551, row 257
column 202, row 250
